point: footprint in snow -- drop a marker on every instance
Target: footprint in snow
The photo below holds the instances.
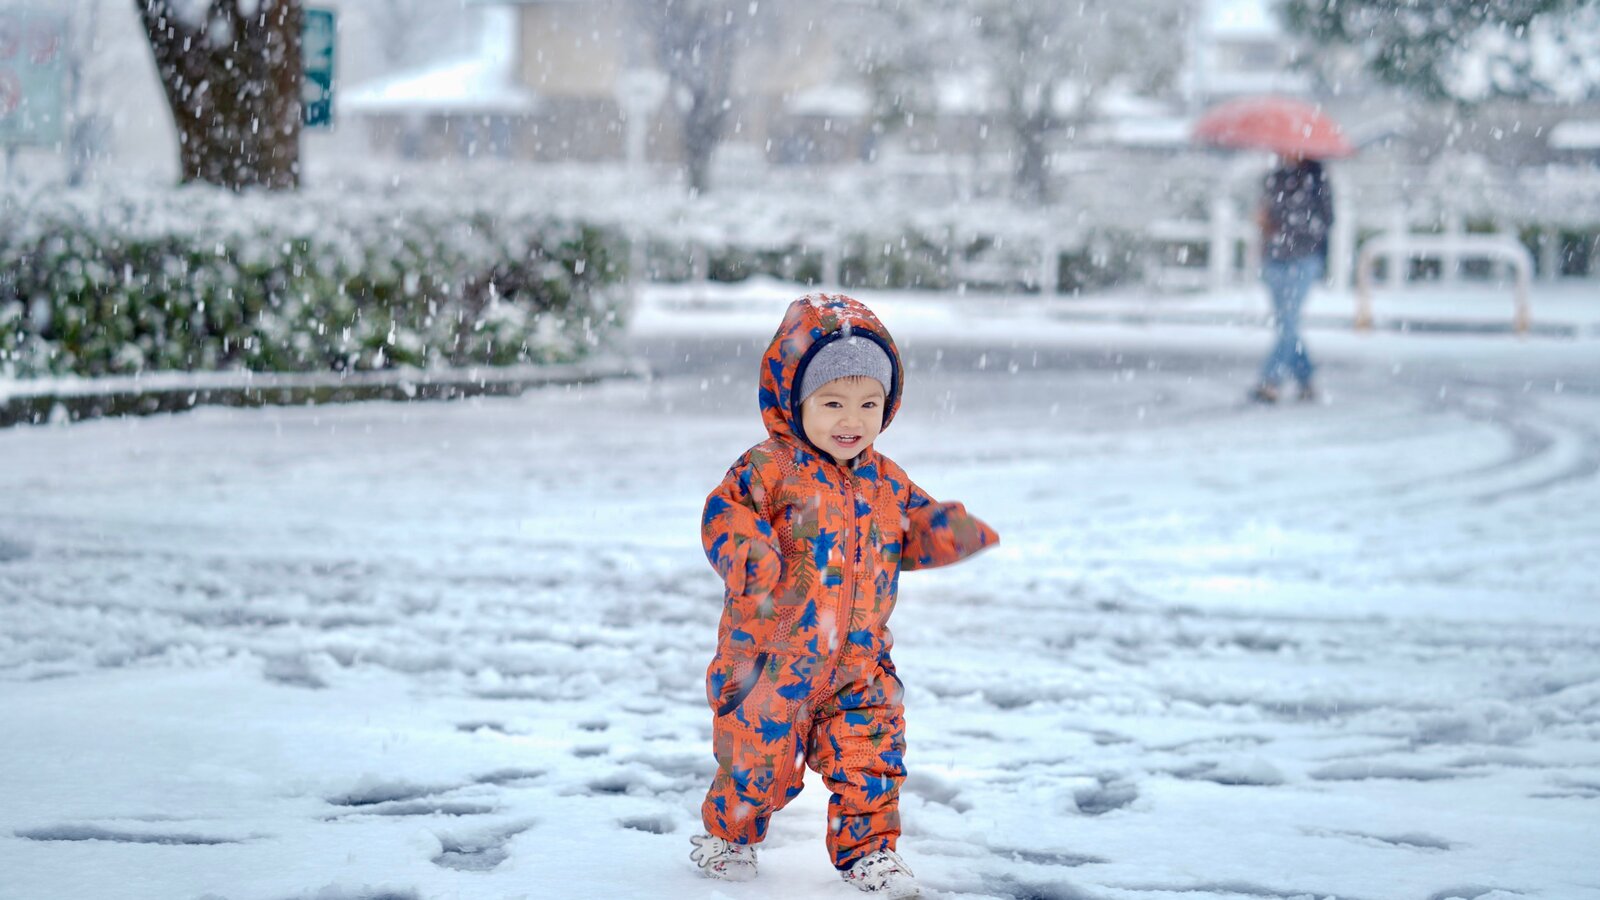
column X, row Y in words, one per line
column 1047, row 858
column 96, row 833
column 1255, row 772
column 651, row 824
column 1356, row 770
column 479, row 852
column 374, row 791
column 501, row 777
column 1105, row 797
column 425, row 808
column 1476, row 892
column 12, row 551
column 474, row 727
column 1410, row 841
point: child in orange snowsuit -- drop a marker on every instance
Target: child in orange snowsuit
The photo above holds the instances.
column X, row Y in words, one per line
column 810, row 530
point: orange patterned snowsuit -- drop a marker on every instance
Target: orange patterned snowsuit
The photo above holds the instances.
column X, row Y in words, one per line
column 811, row 553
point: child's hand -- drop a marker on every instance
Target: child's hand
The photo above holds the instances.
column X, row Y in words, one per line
column 938, row 534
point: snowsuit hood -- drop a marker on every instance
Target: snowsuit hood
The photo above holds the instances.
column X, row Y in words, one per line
column 810, row 323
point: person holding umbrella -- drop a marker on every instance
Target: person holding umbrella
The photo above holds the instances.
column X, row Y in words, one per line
column 1295, row 216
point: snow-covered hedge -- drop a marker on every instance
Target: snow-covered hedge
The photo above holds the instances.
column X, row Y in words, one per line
column 125, row 281
column 910, row 257
column 850, row 228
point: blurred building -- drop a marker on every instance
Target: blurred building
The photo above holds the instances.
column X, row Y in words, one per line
column 1577, row 140
column 580, row 80
column 469, row 106
column 1237, row 48
column 558, row 80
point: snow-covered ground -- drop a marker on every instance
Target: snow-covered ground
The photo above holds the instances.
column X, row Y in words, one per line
column 444, row 650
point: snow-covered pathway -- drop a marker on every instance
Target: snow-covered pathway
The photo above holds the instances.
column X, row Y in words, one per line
column 455, row 650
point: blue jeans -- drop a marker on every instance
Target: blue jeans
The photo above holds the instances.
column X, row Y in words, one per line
column 1289, row 280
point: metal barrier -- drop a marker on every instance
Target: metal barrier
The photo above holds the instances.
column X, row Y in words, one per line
column 1401, row 248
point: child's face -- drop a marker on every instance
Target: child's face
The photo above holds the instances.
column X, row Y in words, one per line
column 844, row 416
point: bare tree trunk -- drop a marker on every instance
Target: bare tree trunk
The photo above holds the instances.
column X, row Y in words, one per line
column 695, row 45
column 702, row 132
column 1030, row 129
column 233, row 82
column 1032, row 176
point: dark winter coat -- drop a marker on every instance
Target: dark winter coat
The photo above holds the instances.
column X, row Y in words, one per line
column 1299, row 212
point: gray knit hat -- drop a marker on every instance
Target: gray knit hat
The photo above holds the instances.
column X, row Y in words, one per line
column 844, row 358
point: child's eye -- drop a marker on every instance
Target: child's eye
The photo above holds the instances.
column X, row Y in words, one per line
column 833, row 404
column 869, row 404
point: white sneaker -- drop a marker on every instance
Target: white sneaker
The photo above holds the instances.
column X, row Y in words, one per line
column 724, row 860
column 883, row 873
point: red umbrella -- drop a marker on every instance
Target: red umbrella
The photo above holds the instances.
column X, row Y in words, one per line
column 1273, row 123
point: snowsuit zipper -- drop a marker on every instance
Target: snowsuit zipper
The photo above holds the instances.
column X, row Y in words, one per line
column 847, row 606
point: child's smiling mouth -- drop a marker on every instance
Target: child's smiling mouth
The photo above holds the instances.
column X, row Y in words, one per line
column 846, row 440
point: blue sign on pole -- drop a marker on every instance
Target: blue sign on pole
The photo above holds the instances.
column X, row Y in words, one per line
column 316, row 49
column 32, row 68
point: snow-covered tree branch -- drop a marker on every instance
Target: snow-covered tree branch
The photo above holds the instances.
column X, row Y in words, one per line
column 1040, row 64
column 697, row 45
column 1463, row 49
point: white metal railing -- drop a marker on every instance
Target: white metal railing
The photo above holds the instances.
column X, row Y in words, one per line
column 1217, row 265
column 1401, row 248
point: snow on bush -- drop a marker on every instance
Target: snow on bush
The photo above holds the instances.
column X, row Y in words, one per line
column 119, row 280
column 850, row 227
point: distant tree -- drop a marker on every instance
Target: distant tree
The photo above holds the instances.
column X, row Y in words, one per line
column 894, row 48
column 697, row 44
column 1464, row 50
column 231, row 72
column 1032, row 49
